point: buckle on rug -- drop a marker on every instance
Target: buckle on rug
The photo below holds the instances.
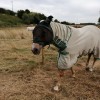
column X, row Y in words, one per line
column 63, row 52
column 59, row 43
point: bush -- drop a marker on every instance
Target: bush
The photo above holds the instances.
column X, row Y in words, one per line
column 8, row 20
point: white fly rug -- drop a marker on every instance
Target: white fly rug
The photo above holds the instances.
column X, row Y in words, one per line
column 79, row 41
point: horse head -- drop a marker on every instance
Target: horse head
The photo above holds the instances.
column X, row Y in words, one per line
column 42, row 35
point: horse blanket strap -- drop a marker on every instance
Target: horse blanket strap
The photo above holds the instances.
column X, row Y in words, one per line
column 63, row 52
column 59, row 43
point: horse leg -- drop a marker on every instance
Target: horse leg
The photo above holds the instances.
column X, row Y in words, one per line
column 58, row 82
column 42, row 55
column 73, row 72
column 91, row 68
column 87, row 63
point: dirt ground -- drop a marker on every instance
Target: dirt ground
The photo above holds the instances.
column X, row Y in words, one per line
column 36, row 84
column 23, row 77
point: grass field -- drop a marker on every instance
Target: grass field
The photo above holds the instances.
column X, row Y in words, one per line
column 23, row 77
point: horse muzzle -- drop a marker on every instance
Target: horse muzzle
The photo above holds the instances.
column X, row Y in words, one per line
column 36, row 48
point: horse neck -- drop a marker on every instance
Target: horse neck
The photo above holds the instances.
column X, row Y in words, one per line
column 62, row 31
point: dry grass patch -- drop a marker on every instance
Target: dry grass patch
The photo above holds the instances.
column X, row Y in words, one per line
column 14, row 33
column 22, row 77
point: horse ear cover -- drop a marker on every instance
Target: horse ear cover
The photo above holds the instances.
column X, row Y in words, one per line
column 50, row 18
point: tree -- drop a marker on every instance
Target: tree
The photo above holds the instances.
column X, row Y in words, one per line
column 5, row 11
column 27, row 11
column 99, row 21
column 20, row 13
column 10, row 12
column 36, row 17
column 2, row 10
column 26, row 18
column 66, row 23
column 56, row 21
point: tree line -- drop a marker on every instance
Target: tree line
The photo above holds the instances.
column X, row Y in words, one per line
column 28, row 17
column 6, row 11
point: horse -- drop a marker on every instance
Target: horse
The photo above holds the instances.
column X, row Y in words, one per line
column 30, row 28
column 71, row 42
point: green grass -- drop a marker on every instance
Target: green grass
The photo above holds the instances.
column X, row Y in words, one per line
column 9, row 21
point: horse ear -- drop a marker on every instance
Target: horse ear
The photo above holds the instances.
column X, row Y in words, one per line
column 50, row 18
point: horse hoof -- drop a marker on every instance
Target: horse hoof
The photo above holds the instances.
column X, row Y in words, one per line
column 57, row 88
column 87, row 69
column 91, row 70
column 73, row 76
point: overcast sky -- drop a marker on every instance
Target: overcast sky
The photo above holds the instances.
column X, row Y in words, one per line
column 77, row 11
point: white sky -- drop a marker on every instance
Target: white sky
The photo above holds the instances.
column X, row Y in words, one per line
column 77, row 11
